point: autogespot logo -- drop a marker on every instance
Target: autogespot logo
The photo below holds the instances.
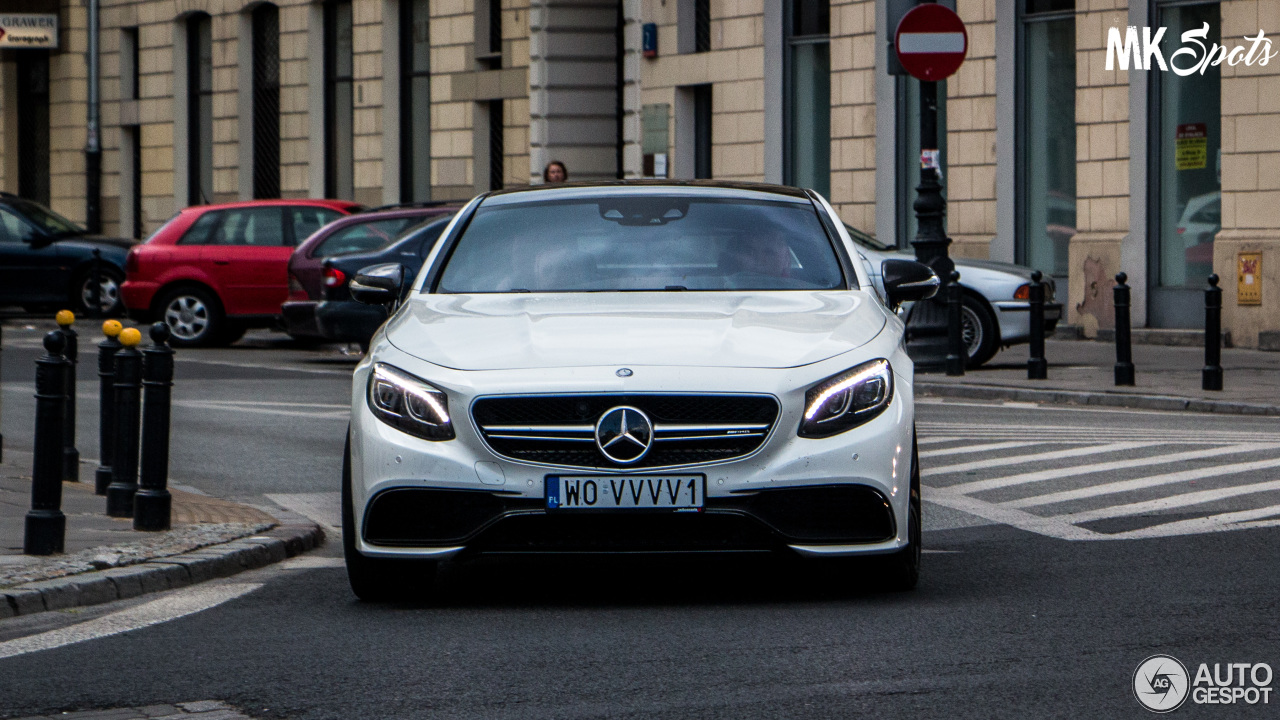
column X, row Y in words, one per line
column 1160, row 683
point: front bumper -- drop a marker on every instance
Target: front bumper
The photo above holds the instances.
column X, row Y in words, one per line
column 299, row 318
column 843, row 495
column 348, row 320
column 1014, row 318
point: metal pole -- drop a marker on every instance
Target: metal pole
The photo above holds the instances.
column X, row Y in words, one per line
column 1037, row 366
column 956, row 351
column 95, row 285
column 929, row 319
column 93, row 144
column 1211, row 376
column 124, row 459
column 70, row 455
column 107, row 350
column 46, row 526
column 152, row 503
column 1124, row 351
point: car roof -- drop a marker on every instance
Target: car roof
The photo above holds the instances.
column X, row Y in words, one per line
column 717, row 188
column 372, row 216
column 344, row 205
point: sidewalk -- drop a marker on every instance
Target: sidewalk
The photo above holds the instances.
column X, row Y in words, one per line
column 107, row 560
column 1082, row 372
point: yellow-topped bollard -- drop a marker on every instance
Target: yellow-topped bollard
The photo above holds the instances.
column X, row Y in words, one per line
column 130, row 337
column 65, row 318
column 112, row 328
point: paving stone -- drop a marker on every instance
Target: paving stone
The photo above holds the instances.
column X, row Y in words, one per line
column 175, row 573
column 25, row 601
column 57, row 594
column 152, row 711
column 273, row 546
column 203, row 705
column 96, row 589
column 128, row 580
column 115, row 714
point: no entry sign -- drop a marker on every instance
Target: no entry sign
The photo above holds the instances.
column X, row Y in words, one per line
column 931, row 42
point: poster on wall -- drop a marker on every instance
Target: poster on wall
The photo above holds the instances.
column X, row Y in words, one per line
column 1192, row 150
column 1249, row 279
column 28, row 30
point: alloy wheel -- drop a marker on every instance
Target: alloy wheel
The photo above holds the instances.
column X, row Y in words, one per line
column 970, row 330
column 108, row 293
column 187, row 317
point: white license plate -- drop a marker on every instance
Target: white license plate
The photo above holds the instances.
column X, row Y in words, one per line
column 595, row 492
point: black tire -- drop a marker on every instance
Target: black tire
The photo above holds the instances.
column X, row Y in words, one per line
column 980, row 330
column 110, row 301
column 901, row 570
column 379, row 579
column 232, row 331
column 194, row 316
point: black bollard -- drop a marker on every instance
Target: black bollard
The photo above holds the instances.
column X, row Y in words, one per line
column 106, row 404
column 1, row 393
column 124, row 457
column 151, row 504
column 70, row 455
column 95, row 285
column 1211, row 376
column 1124, row 349
column 46, row 526
column 1037, row 366
column 956, row 351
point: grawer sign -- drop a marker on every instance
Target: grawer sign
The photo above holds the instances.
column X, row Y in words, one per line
column 28, row 30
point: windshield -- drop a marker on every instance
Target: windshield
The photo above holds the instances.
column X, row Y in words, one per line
column 642, row 242
column 47, row 220
column 867, row 241
column 363, row 237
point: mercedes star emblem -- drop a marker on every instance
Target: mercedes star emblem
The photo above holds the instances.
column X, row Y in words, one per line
column 623, row 372
column 624, row 434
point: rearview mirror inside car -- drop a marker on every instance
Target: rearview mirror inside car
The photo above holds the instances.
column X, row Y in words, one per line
column 907, row 280
column 378, row 284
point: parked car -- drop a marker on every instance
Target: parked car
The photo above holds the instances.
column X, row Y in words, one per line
column 46, row 260
column 1199, row 224
column 214, row 270
column 635, row 367
column 339, row 317
column 370, row 231
column 995, row 307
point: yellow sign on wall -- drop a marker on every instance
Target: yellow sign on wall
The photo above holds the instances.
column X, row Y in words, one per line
column 1249, row 279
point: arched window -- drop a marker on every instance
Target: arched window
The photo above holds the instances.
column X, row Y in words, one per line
column 200, row 109
column 266, row 101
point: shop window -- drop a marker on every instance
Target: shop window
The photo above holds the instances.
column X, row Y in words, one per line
column 808, row 95
column 415, row 102
column 200, row 109
column 266, row 101
column 339, row 101
column 1046, row 150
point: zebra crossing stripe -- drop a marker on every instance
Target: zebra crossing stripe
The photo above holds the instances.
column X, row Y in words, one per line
column 1038, row 457
column 1050, row 526
column 1055, row 473
column 1142, row 483
column 963, row 450
column 1169, row 503
column 936, row 440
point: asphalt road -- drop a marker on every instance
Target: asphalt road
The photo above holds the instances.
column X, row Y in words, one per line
column 1063, row 546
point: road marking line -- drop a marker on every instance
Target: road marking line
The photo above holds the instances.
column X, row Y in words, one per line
column 263, row 366
column 936, row 440
column 217, row 405
column 978, row 448
column 1141, row 483
column 324, row 508
column 1167, row 503
column 1053, row 527
column 171, row 607
column 1041, row 475
column 1023, row 459
column 1239, row 520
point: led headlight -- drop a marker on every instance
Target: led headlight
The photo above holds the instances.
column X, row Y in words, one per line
column 847, row 400
column 409, row 403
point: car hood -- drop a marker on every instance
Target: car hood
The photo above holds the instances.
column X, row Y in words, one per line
column 743, row 330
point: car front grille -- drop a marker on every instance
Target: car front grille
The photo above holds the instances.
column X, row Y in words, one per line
column 687, row 429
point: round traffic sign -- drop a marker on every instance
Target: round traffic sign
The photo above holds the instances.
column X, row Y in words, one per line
column 931, row 42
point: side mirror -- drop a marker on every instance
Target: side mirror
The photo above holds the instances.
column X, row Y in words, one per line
column 907, row 280
column 378, row 284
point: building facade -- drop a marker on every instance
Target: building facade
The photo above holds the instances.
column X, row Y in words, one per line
column 1055, row 155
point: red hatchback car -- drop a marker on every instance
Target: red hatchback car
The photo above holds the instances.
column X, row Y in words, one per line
column 215, row 270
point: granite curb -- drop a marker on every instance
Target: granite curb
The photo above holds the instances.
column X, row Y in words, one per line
column 1098, row 399
column 162, row 573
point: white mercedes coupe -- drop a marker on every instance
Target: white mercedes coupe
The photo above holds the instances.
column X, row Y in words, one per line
column 634, row 366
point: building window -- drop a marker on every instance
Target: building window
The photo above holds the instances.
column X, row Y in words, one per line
column 133, row 140
column 266, row 101
column 496, row 145
column 33, row 125
column 489, row 34
column 702, row 25
column 702, row 140
column 129, row 73
column 415, row 102
column 1046, row 150
column 1186, row 137
column 200, row 109
column 807, row 160
column 339, row 101
column 908, row 102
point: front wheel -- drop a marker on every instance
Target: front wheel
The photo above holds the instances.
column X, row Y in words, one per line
column 375, row 579
column 902, row 569
column 109, row 301
column 979, row 331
